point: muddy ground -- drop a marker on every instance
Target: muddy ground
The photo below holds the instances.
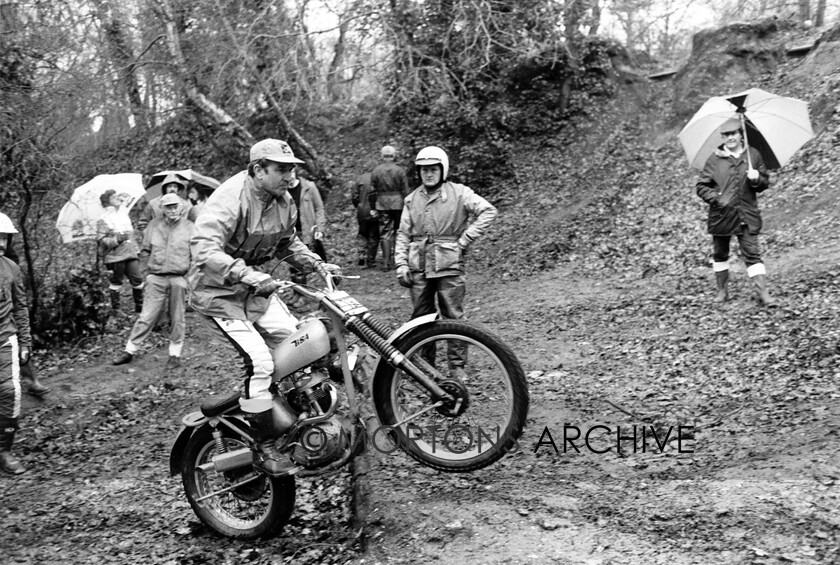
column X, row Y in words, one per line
column 758, row 483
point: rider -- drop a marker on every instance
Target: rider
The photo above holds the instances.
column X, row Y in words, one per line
column 439, row 222
column 248, row 221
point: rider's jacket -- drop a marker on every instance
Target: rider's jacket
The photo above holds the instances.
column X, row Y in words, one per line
column 438, row 226
column 239, row 226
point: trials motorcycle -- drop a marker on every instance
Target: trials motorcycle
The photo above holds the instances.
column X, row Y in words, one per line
column 453, row 418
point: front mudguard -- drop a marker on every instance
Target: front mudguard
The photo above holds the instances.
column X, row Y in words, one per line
column 404, row 329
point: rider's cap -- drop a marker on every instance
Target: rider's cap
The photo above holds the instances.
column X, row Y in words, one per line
column 273, row 150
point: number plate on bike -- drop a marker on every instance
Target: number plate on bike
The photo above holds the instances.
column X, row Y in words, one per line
column 347, row 303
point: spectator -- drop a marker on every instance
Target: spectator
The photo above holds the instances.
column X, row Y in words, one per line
column 368, row 235
column 389, row 186
column 435, row 232
column 311, row 220
column 15, row 348
column 166, row 245
column 729, row 184
column 115, row 235
column 172, row 184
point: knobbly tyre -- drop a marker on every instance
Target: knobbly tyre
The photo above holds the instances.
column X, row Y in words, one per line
column 454, row 419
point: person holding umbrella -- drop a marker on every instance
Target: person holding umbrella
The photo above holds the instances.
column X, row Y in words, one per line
column 115, row 235
column 729, row 183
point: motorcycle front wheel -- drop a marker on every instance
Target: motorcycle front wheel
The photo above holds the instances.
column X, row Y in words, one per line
column 473, row 365
column 258, row 508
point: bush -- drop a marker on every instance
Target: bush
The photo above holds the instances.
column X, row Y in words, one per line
column 79, row 308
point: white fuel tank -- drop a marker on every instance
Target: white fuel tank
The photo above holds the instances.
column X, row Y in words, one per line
column 308, row 344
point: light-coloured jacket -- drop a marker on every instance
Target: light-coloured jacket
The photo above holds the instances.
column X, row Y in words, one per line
column 241, row 226
column 311, row 211
column 166, row 246
column 115, row 235
column 437, row 227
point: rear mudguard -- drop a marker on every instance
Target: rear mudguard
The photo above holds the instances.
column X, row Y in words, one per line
column 196, row 420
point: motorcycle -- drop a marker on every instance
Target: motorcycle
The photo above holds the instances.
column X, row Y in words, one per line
column 449, row 393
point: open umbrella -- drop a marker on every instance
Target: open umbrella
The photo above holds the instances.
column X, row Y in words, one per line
column 156, row 182
column 775, row 125
column 77, row 219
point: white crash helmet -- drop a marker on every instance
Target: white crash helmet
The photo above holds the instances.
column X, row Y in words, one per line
column 433, row 156
column 6, row 225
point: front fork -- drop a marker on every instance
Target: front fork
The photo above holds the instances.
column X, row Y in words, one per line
column 375, row 333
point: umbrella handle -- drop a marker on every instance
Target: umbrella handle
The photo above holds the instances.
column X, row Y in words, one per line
column 746, row 142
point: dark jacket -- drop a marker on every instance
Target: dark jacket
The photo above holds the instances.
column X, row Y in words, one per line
column 389, row 187
column 360, row 198
column 731, row 197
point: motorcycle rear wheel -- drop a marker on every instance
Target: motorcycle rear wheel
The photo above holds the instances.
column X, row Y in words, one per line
column 491, row 382
column 257, row 509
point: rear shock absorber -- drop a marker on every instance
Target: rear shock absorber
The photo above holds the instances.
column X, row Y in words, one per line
column 221, row 446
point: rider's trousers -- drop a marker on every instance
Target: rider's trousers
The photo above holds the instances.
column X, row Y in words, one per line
column 255, row 342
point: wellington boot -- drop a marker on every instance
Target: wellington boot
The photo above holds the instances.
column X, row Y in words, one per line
column 115, row 299
column 722, row 278
column 8, row 462
column 763, row 295
column 387, row 255
column 35, row 387
column 137, row 294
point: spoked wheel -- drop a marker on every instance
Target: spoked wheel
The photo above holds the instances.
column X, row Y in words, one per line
column 475, row 367
column 258, row 508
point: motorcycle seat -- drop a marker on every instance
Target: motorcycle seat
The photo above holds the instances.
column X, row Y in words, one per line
column 219, row 403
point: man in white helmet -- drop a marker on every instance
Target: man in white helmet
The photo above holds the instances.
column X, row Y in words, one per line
column 389, row 186
column 248, row 221
column 440, row 221
column 15, row 348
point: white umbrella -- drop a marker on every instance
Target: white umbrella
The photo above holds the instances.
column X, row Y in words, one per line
column 77, row 219
column 775, row 125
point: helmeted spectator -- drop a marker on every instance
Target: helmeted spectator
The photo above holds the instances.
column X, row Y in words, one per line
column 15, row 348
column 440, row 221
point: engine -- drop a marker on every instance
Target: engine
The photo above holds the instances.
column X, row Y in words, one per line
column 321, row 444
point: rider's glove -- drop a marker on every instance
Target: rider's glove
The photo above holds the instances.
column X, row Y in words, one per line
column 252, row 277
column 25, row 355
column 324, row 269
column 267, row 287
column 404, row 276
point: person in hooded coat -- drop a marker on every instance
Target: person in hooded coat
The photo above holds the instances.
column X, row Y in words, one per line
column 730, row 182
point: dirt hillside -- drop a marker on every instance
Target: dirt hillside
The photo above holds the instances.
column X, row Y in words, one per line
column 596, row 273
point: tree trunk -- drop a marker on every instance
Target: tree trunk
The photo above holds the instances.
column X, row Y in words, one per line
column 187, row 80
column 804, row 10
column 819, row 17
column 122, row 56
column 333, row 75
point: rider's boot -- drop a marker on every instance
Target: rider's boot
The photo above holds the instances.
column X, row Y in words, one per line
column 8, row 462
column 271, row 461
